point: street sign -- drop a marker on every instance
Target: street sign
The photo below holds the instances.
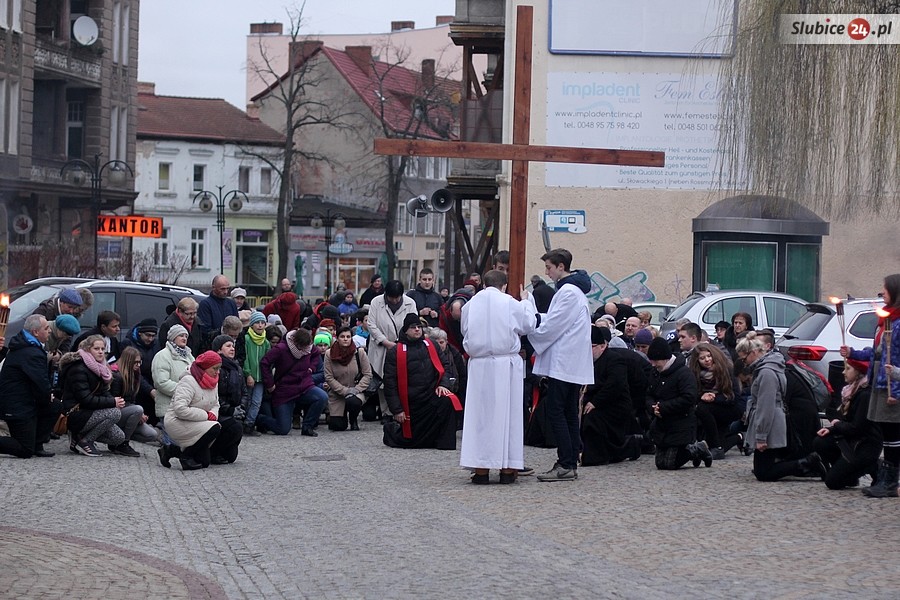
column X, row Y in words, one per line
column 568, row 221
column 129, row 226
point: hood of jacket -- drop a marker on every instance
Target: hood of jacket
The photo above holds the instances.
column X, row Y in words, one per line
column 676, row 364
column 579, row 278
column 68, row 359
column 287, row 299
column 772, row 360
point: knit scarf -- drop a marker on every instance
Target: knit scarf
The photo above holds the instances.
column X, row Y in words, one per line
column 849, row 391
column 296, row 350
column 254, row 353
column 257, row 338
column 707, row 380
column 178, row 351
column 342, row 354
column 206, row 381
column 99, row 369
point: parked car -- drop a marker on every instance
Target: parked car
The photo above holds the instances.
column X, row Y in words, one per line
column 657, row 310
column 774, row 310
column 816, row 336
column 132, row 300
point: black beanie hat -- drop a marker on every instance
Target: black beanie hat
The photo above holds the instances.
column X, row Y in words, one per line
column 148, row 326
column 659, row 350
column 411, row 319
column 600, row 335
column 221, row 340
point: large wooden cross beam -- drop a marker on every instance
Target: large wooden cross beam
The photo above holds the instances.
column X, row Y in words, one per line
column 520, row 152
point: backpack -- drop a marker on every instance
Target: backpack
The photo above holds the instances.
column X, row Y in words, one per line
column 817, row 385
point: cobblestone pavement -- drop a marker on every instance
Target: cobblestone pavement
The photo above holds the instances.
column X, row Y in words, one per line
column 342, row 516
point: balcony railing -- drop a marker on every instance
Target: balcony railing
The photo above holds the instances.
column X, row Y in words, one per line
column 61, row 59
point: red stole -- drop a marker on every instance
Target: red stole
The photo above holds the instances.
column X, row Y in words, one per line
column 403, row 382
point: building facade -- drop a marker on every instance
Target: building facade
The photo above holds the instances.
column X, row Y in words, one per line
column 68, row 81
column 195, row 156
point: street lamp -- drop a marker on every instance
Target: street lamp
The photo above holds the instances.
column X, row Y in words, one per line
column 329, row 220
column 79, row 170
column 206, row 205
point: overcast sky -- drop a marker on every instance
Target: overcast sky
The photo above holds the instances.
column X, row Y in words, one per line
column 198, row 47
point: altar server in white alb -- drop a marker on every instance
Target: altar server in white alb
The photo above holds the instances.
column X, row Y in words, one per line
column 493, row 424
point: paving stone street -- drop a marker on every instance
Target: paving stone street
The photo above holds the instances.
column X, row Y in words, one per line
column 342, row 516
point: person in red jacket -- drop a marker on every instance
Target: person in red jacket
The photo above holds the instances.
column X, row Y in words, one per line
column 286, row 307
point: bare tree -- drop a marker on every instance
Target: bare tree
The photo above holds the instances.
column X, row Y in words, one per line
column 816, row 123
column 430, row 111
column 145, row 266
column 299, row 107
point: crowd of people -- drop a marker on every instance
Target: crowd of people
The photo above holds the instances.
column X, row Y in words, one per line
column 543, row 370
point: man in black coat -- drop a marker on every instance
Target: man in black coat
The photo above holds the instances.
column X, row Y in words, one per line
column 608, row 409
column 542, row 293
column 108, row 326
column 428, row 302
column 142, row 338
column 673, row 398
column 424, row 416
column 25, row 392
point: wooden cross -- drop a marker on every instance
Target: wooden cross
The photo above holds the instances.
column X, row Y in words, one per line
column 520, row 152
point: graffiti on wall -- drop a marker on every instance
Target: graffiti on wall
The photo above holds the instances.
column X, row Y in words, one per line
column 603, row 290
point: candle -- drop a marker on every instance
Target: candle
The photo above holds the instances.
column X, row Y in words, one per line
column 4, row 313
column 886, row 336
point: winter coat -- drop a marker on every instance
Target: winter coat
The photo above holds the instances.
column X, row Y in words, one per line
column 186, row 418
column 291, row 377
column 369, row 295
column 285, row 306
column 879, row 410
column 385, row 325
column 765, row 411
column 562, row 340
column 133, row 340
column 24, row 379
column 422, row 377
column 232, row 386
column 855, row 427
column 212, row 312
column 83, row 387
column 427, row 299
column 675, row 390
column 167, row 369
column 348, row 309
column 543, row 295
column 341, row 380
column 195, row 335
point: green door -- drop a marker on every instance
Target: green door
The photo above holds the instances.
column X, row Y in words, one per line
column 740, row 266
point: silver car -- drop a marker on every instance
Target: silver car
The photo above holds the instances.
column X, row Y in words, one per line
column 774, row 310
column 816, row 336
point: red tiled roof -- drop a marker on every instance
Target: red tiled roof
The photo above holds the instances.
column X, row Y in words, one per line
column 200, row 119
column 399, row 86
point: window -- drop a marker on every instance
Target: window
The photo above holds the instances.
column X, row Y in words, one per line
column 265, row 181
column 724, row 309
column 4, row 13
column 123, row 134
column 113, row 130
column 125, row 37
column 12, row 144
column 116, row 30
column 198, row 248
column 161, row 249
column 102, row 301
column 863, row 327
column 781, row 312
column 164, row 169
column 199, row 173
column 143, row 305
column 244, row 179
column 16, row 20
column 121, row 16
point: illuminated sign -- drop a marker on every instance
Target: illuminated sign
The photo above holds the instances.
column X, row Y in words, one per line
column 129, row 226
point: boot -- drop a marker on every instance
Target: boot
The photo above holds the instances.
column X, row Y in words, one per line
column 165, row 455
column 812, row 466
column 886, row 487
column 700, row 453
column 189, row 464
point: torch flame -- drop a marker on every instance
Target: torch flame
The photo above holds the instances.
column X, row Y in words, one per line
column 4, row 300
column 834, row 300
column 882, row 313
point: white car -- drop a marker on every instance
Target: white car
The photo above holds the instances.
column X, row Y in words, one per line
column 772, row 310
column 658, row 311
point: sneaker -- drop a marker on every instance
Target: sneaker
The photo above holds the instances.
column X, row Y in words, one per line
column 717, row 454
column 703, row 454
column 125, row 449
column 508, row 478
column 481, row 478
column 559, row 474
column 526, row 471
column 86, row 448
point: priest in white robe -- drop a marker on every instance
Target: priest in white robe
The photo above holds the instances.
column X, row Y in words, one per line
column 493, row 430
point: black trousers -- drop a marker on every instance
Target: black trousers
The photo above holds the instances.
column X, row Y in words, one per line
column 715, row 419
column 846, row 469
column 28, row 435
column 200, row 451
column 228, row 440
column 561, row 404
column 768, row 466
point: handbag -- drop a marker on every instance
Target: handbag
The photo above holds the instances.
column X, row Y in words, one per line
column 61, row 427
column 374, row 381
